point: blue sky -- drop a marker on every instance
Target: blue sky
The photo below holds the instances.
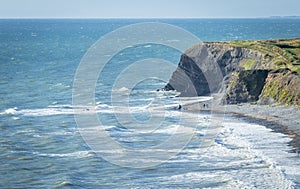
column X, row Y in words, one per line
column 147, row 8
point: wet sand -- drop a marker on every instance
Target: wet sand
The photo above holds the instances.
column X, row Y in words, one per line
column 284, row 119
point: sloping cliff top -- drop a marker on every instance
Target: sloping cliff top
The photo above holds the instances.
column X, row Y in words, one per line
column 283, row 53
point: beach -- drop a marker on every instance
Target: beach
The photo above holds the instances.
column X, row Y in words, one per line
column 280, row 118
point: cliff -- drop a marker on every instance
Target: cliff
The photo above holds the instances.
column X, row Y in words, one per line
column 266, row 72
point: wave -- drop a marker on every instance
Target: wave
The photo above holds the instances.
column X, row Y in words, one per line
column 10, row 111
column 159, row 105
column 64, row 109
column 38, row 112
column 79, row 154
column 172, row 129
column 100, row 128
column 122, row 89
column 198, row 177
column 61, row 106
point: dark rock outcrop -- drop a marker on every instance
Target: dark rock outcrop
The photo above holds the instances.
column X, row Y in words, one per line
column 205, row 68
column 245, row 86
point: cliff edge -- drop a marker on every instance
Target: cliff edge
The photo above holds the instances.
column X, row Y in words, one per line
column 264, row 71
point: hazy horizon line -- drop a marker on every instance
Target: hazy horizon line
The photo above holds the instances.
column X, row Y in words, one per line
column 288, row 16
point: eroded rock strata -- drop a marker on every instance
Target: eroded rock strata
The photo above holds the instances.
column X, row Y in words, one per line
column 244, row 71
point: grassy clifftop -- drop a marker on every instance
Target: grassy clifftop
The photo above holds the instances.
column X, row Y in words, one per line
column 281, row 59
column 282, row 53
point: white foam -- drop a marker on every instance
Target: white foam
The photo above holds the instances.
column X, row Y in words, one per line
column 204, row 180
column 60, row 110
column 60, row 106
column 171, row 93
column 122, row 89
column 167, row 130
column 79, row 154
column 10, row 111
column 102, row 106
column 98, row 128
column 238, row 148
column 46, row 112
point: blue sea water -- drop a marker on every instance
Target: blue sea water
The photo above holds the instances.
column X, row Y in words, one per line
column 42, row 147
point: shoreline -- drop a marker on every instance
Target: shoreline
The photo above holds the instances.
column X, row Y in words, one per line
column 281, row 119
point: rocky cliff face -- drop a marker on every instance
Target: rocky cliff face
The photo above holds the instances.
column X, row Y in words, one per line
column 281, row 86
column 242, row 71
column 206, row 67
column 245, row 86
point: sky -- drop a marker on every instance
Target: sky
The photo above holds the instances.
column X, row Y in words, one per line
column 147, row 8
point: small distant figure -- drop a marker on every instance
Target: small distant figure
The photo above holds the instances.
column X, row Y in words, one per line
column 204, row 105
column 179, row 107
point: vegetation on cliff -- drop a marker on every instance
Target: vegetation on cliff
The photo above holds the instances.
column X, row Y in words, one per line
column 281, row 53
column 263, row 71
column 280, row 81
column 281, row 86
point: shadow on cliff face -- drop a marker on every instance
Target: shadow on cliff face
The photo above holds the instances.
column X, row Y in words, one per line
column 199, row 69
column 188, row 79
column 208, row 66
column 245, row 86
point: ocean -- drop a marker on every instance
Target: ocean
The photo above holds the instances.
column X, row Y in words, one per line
column 138, row 138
